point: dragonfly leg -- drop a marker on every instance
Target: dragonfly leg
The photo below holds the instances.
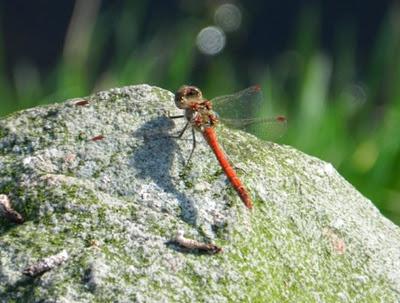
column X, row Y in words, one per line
column 180, row 134
column 193, row 147
column 238, row 168
column 175, row 117
column 156, row 135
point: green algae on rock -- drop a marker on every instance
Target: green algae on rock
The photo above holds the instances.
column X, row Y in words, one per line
column 113, row 204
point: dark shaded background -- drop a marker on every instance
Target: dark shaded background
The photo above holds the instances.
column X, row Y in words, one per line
column 35, row 30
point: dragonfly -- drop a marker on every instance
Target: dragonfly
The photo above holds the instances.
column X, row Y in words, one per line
column 201, row 114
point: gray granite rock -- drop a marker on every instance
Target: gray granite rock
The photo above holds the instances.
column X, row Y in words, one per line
column 99, row 180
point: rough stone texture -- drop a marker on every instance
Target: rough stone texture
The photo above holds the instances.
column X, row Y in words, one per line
column 115, row 203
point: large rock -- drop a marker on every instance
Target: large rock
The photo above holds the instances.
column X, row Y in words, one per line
column 103, row 184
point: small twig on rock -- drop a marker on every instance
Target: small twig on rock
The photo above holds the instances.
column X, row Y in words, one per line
column 7, row 210
column 46, row 264
column 193, row 244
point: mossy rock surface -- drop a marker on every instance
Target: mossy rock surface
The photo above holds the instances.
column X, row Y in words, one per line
column 106, row 183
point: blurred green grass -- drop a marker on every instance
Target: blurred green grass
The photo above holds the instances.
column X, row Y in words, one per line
column 334, row 114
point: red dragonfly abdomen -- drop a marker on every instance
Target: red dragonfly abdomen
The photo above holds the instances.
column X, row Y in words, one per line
column 211, row 137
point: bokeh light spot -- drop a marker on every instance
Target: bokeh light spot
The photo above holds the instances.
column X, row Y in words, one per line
column 211, row 40
column 358, row 93
column 228, row 16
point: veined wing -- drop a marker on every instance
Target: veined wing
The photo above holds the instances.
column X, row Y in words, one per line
column 243, row 104
column 264, row 128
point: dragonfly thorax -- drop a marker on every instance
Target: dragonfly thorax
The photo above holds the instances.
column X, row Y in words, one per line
column 197, row 110
column 202, row 119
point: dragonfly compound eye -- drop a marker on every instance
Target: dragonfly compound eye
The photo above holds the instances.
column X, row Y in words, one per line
column 179, row 97
column 184, row 94
column 193, row 92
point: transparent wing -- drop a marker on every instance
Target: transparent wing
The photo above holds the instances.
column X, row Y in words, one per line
column 243, row 104
column 245, row 110
column 264, row 128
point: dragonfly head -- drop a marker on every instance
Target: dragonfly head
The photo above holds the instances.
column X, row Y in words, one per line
column 186, row 95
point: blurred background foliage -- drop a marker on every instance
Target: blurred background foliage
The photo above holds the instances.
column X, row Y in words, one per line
column 333, row 69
